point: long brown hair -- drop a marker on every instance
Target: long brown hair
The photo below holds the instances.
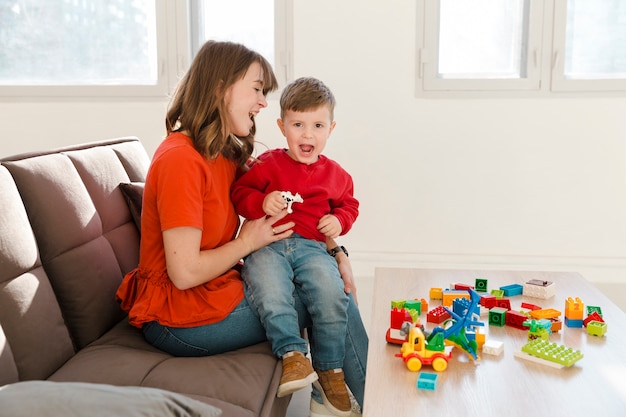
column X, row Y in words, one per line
column 198, row 108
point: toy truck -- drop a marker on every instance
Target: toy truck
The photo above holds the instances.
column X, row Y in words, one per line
column 418, row 351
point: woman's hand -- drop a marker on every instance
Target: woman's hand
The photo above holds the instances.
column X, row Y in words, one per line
column 188, row 266
column 258, row 233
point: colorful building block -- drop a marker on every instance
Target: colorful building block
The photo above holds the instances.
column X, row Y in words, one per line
column 512, row 290
column 596, row 328
column 574, row 308
column 573, row 323
column 435, row 293
column 451, row 295
column 539, row 289
column 437, row 315
column 461, row 287
column 488, row 301
column 497, row 293
column 497, row 316
column 550, row 353
column 493, row 347
column 503, row 303
column 593, row 317
column 481, row 285
column 515, row 319
column 591, row 309
column 427, row 381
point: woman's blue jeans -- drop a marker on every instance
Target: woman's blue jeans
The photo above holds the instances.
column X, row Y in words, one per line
column 276, row 275
column 243, row 328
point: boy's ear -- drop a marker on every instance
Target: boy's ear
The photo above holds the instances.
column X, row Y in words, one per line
column 281, row 126
column 332, row 127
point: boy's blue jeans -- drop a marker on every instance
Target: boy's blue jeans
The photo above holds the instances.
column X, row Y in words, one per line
column 279, row 273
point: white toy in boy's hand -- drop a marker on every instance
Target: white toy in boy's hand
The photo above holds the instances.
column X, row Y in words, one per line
column 290, row 199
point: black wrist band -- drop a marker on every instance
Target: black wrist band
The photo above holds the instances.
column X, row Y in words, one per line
column 334, row 251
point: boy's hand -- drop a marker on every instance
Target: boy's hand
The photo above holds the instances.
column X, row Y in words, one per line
column 273, row 203
column 329, row 226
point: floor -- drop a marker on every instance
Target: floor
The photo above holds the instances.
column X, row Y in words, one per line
column 299, row 405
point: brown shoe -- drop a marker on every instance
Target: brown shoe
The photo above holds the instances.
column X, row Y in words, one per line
column 297, row 373
column 334, row 392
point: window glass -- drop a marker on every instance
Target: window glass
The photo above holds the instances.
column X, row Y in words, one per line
column 78, row 42
column 595, row 39
column 482, row 39
column 227, row 21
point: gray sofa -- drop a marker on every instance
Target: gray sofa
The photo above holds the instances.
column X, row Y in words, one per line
column 67, row 237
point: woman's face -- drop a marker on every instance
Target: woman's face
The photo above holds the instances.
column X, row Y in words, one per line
column 244, row 100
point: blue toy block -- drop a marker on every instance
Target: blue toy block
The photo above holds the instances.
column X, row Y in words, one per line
column 577, row 324
column 512, row 289
column 427, row 381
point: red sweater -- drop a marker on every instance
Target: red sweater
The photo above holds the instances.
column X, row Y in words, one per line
column 325, row 187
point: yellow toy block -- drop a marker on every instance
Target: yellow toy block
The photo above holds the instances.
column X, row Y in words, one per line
column 546, row 313
column 436, row 293
column 574, row 308
column 450, row 296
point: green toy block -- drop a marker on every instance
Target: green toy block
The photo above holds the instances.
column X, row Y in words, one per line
column 552, row 352
column 497, row 293
column 497, row 316
column 481, row 285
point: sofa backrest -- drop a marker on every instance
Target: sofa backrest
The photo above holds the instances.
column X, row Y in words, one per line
column 66, row 240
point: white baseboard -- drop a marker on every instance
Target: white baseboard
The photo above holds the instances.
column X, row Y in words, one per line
column 594, row 269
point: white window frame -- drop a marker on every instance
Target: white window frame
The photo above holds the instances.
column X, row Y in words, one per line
column 559, row 82
column 167, row 18
column 545, row 66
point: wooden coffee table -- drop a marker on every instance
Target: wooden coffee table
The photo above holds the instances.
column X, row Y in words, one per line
column 501, row 385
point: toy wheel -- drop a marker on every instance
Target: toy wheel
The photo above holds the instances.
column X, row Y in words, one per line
column 440, row 364
column 414, row 364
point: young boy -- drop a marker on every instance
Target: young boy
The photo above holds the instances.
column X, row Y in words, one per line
column 318, row 194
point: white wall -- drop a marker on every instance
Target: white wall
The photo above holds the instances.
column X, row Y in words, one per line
column 530, row 183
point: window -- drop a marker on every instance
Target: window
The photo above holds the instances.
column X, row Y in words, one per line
column 590, row 45
column 127, row 48
column 82, row 47
column 521, row 45
column 265, row 27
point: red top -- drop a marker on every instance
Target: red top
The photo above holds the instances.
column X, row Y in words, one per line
column 183, row 188
column 325, row 187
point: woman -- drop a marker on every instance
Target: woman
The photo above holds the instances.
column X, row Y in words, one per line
column 187, row 294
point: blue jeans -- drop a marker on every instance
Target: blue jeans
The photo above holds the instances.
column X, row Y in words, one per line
column 243, row 328
column 276, row 275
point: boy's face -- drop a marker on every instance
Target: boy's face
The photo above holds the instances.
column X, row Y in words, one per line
column 306, row 133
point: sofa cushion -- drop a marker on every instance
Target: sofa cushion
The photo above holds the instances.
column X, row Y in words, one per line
column 123, row 357
column 34, row 332
column 133, row 193
column 84, row 229
column 8, row 368
column 75, row 399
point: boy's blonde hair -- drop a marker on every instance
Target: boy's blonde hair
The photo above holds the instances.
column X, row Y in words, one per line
column 307, row 93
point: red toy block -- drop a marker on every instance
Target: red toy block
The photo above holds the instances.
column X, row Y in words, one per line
column 503, row 303
column 437, row 315
column 593, row 317
column 515, row 319
column 488, row 301
column 461, row 286
column 530, row 306
column 399, row 316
